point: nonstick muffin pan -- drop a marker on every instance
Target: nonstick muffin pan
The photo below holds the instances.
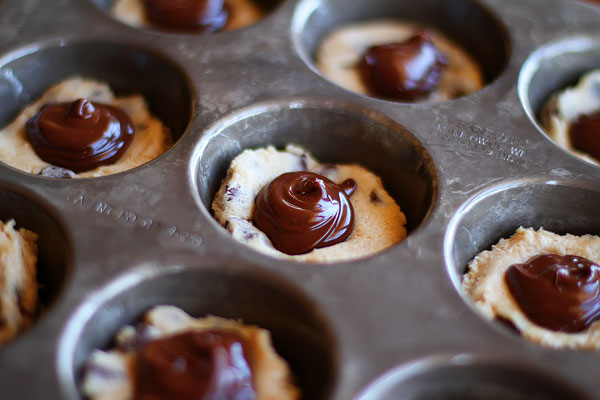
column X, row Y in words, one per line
column 466, row 173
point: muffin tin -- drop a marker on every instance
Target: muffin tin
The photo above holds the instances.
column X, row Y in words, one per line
column 466, row 173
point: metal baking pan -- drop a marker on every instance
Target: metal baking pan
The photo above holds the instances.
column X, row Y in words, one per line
column 466, row 172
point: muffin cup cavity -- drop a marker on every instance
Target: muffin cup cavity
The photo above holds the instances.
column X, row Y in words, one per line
column 467, row 377
column 298, row 332
column 54, row 245
column 468, row 23
column 553, row 67
column 26, row 73
column 332, row 133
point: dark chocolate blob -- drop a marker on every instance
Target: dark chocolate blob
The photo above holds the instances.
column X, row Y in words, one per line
column 585, row 134
column 560, row 293
column 194, row 365
column 80, row 136
column 199, row 15
column 301, row 211
column 403, row 71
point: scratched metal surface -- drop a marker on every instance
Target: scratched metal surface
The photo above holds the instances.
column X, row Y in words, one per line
column 467, row 173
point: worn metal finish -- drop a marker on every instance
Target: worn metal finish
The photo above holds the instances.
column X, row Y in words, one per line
column 467, row 173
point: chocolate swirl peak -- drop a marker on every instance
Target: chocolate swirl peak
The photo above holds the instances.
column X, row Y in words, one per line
column 560, row 293
column 301, row 211
column 585, row 134
column 194, row 365
column 80, row 136
column 405, row 71
column 200, row 15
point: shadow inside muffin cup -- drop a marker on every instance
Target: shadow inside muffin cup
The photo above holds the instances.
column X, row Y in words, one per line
column 26, row 73
column 468, row 23
column 554, row 67
column 299, row 333
column 467, row 377
column 332, row 133
column 54, row 247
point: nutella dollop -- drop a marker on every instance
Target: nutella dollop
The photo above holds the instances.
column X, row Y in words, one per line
column 560, row 293
column 585, row 134
column 301, row 211
column 194, row 365
column 199, row 15
column 404, row 71
column 80, row 136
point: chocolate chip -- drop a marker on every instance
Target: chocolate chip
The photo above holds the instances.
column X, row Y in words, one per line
column 249, row 235
column 25, row 312
column 303, row 162
column 231, row 192
column 57, row 172
column 458, row 92
column 327, row 169
column 374, row 198
column 227, row 224
column 507, row 323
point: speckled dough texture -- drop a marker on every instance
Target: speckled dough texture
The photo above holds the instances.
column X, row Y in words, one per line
column 485, row 283
column 241, row 13
column 18, row 282
column 340, row 53
column 379, row 222
column 566, row 106
column 150, row 140
column 109, row 374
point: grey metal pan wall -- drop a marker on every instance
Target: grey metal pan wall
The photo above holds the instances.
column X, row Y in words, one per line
column 466, row 172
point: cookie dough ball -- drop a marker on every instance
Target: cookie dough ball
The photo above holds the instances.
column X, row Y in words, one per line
column 572, row 118
column 546, row 285
column 150, row 137
column 378, row 220
column 170, row 351
column 18, row 282
column 219, row 15
column 450, row 71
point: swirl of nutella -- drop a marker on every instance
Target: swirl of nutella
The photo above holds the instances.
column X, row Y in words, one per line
column 405, row 71
column 194, row 365
column 200, row 15
column 80, row 136
column 585, row 134
column 560, row 293
column 301, row 211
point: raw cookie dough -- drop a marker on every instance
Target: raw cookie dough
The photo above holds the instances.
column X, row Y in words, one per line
column 485, row 284
column 565, row 107
column 379, row 222
column 150, row 140
column 241, row 13
column 18, row 282
column 109, row 374
column 340, row 52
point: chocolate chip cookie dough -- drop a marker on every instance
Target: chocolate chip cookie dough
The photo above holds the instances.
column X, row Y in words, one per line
column 398, row 61
column 171, row 355
column 288, row 205
column 79, row 129
column 572, row 118
column 18, row 281
column 546, row 285
column 201, row 16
